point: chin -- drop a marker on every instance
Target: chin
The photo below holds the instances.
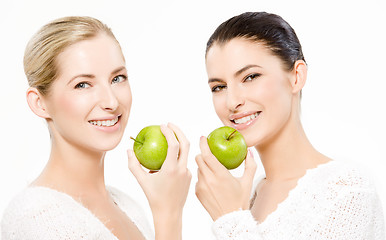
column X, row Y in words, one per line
column 105, row 148
column 106, row 144
column 253, row 139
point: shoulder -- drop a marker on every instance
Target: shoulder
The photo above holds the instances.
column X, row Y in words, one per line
column 333, row 183
column 28, row 210
column 344, row 175
column 30, row 200
column 339, row 182
column 348, row 198
column 44, row 213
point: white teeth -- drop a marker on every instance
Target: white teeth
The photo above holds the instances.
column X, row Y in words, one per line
column 246, row 118
column 106, row 123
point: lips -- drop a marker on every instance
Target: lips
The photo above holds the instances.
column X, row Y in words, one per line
column 244, row 120
column 105, row 122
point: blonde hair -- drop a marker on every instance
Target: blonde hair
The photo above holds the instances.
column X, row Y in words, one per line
column 44, row 47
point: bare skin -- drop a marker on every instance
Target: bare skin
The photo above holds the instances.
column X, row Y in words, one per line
column 87, row 110
column 83, row 188
column 247, row 80
column 285, row 159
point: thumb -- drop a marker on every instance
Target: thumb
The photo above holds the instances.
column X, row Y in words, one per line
column 135, row 166
column 250, row 168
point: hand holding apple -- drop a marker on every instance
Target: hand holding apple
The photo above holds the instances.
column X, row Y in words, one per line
column 217, row 189
column 228, row 146
column 150, row 147
column 167, row 189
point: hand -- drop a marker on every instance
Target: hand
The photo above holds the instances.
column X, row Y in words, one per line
column 167, row 189
column 218, row 191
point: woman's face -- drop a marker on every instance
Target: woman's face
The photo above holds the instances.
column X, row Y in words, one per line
column 251, row 90
column 89, row 103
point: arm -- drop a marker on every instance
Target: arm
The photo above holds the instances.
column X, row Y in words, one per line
column 167, row 189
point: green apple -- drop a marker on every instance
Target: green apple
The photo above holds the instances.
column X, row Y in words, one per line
column 150, row 147
column 228, row 146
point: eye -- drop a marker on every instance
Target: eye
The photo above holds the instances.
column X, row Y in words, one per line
column 82, row 85
column 218, row 88
column 119, row 78
column 251, row 77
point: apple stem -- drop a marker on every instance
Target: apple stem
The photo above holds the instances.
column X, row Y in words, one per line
column 136, row 140
column 229, row 137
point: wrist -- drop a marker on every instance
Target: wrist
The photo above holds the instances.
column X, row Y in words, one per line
column 168, row 225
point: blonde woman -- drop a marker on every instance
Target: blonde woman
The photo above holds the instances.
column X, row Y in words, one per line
column 78, row 84
column 256, row 72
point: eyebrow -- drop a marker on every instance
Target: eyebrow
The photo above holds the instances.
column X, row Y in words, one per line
column 246, row 68
column 80, row 76
column 118, row 70
column 236, row 74
column 93, row 76
column 214, row 80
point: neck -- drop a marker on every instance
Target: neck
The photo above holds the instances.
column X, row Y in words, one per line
column 289, row 153
column 74, row 170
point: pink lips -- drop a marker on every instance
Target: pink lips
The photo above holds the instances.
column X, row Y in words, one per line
column 104, row 128
column 242, row 126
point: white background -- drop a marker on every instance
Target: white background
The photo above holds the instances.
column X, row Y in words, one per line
column 343, row 106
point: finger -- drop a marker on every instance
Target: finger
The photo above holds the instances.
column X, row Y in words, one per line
column 173, row 147
column 201, row 186
column 135, row 166
column 214, row 165
column 250, row 167
column 183, row 144
column 202, row 167
column 206, row 197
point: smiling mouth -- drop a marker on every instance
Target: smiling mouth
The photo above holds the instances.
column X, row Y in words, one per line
column 246, row 118
column 105, row 123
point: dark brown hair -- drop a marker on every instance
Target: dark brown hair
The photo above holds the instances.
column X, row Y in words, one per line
column 266, row 28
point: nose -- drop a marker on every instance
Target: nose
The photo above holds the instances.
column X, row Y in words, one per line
column 108, row 99
column 235, row 98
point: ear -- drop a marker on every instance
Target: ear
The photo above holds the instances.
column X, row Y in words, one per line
column 36, row 103
column 298, row 82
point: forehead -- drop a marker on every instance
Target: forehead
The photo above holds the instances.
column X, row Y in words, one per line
column 237, row 53
column 100, row 53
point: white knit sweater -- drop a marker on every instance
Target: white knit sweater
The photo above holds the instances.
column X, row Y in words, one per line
column 43, row 213
column 332, row 201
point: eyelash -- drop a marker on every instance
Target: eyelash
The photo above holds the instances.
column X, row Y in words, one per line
column 218, row 88
column 81, row 84
column 124, row 78
column 249, row 78
column 252, row 77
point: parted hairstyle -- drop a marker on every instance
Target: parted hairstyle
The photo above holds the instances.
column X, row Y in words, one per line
column 40, row 56
column 265, row 28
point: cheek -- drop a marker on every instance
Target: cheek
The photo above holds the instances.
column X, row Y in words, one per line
column 275, row 94
column 219, row 103
column 124, row 96
column 72, row 105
